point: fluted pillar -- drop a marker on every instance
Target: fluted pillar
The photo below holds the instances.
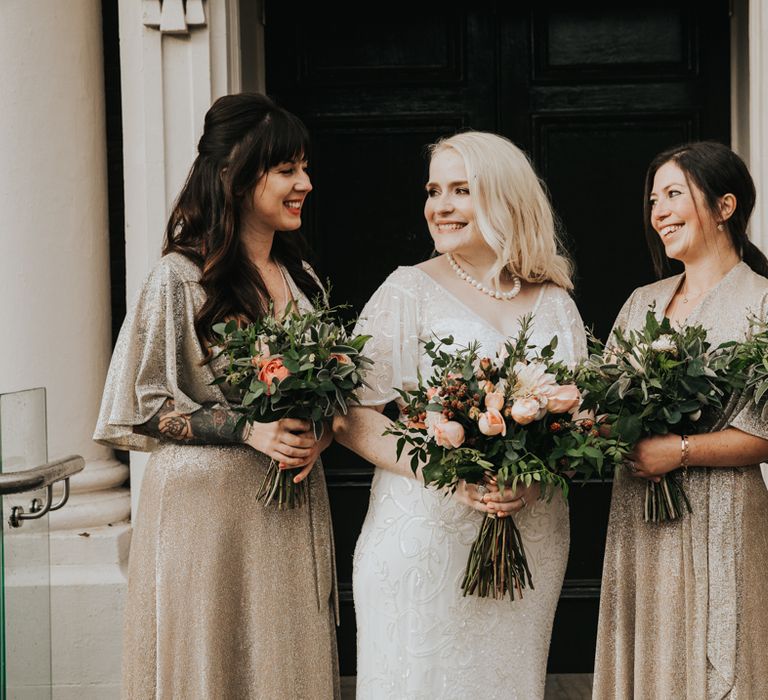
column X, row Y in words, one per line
column 54, row 279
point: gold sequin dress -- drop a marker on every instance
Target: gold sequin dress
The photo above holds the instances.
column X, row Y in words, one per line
column 683, row 610
column 227, row 598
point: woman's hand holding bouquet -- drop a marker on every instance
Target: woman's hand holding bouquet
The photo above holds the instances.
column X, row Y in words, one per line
column 509, row 419
column 660, row 381
column 293, row 373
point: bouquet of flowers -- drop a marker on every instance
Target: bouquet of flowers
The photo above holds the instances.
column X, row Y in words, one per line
column 509, row 417
column 304, row 365
column 754, row 354
column 653, row 381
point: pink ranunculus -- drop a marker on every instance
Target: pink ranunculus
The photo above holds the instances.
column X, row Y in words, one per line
column 449, row 434
column 272, row 369
column 525, row 411
column 494, row 400
column 492, row 423
column 564, row 399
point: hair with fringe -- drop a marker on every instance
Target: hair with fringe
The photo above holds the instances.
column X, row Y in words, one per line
column 244, row 135
column 512, row 210
column 715, row 170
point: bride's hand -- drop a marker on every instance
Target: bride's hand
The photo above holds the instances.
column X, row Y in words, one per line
column 512, row 500
column 472, row 495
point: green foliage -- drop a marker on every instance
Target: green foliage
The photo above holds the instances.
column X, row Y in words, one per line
column 656, row 380
column 549, row 450
column 322, row 363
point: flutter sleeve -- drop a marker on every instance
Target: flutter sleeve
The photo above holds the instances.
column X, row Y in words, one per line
column 391, row 318
column 157, row 357
column 624, row 319
column 574, row 349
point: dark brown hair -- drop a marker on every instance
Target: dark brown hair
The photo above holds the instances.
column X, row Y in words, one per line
column 716, row 171
column 243, row 137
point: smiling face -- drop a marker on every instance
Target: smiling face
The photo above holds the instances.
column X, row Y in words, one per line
column 449, row 209
column 277, row 198
column 680, row 215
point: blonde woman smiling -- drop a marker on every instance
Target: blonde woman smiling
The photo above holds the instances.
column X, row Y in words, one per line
column 498, row 259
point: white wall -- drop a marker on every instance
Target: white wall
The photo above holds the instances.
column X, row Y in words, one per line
column 54, row 276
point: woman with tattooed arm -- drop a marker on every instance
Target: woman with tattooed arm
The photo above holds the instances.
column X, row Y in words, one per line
column 227, row 597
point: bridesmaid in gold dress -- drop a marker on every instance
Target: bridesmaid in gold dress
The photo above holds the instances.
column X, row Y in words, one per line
column 227, row 597
column 683, row 612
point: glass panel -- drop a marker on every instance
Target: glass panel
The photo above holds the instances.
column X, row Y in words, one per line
column 25, row 604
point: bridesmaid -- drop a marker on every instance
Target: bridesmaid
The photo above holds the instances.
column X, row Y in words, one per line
column 682, row 612
column 227, row 598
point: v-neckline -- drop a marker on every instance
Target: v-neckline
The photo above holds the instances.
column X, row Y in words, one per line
column 700, row 304
column 470, row 310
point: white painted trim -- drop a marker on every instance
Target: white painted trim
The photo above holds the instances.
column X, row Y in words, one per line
column 168, row 83
column 758, row 117
column 740, row 78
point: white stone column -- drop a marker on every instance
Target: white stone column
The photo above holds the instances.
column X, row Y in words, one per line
column 173, row 66
column 54, row 282
column 749, row 108
column 758, row 117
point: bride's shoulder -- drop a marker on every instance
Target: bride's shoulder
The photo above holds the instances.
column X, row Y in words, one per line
column 408, row 278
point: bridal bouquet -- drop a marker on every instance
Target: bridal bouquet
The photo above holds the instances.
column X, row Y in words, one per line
column 510, row 417
column 656, row 380
column 305, row 365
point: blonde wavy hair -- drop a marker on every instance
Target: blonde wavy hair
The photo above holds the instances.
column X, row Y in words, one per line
column 512, row 210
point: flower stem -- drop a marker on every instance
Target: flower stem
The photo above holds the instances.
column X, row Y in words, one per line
column 497, row 564
column 665, row 501
column 278, row 486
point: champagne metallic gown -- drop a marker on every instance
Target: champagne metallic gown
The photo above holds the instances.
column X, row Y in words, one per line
column 683, row 611
column 227, row 598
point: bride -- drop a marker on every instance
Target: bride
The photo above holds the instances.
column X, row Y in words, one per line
column 493, row 229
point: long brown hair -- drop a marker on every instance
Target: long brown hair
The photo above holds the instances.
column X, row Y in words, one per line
column 716, row 171
column 243, row 137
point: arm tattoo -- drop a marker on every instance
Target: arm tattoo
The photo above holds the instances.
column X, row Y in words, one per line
column 206, row 426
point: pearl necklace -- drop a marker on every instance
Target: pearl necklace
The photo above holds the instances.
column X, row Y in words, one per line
column 493, row 293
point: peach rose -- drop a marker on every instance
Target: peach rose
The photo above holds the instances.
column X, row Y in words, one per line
column 563, row 399
column 449, row 434
column 494, row 400
column 432, row 419
column 341, row 358
column 431, row 392
column 525, row 411
column 273, row 368
column 492, row 423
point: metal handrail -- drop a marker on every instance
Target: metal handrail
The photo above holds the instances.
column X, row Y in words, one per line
column 40, row 477
column 45, row 477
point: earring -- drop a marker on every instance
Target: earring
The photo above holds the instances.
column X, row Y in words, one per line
column 720, row 227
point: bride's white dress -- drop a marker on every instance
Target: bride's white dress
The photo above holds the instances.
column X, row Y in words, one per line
column 417, row 636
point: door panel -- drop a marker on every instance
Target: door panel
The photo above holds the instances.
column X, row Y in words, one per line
column 592, row 94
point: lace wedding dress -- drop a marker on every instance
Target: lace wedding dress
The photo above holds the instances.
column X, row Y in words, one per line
column 418, row 637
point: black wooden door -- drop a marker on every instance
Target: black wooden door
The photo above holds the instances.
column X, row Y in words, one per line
column 591, row 90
